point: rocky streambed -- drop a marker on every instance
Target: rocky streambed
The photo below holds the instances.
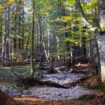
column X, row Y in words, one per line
column 47, row 92
column 64, row 79
column 55, row 93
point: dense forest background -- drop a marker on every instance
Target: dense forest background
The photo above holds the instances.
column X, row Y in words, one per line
column 43, row 31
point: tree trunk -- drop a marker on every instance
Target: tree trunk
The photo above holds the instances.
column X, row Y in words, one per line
column 101, row 47
column 23, row 29
column 48, row 43
column 101, row 11
column 101, row 39
column 6, row 37
column 32, row 40
column 41, row 39
column 58, row 47
column 1, row 28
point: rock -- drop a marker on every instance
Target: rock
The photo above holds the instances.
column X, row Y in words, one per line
column 64, row 79
column 56, row 93
column 4, row 88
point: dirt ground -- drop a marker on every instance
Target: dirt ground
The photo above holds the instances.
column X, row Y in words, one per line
column 6, row 100
column 37, row 101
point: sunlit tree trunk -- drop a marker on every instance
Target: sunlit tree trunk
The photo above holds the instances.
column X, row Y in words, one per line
column 48, row 43
column 101, row 38
column 5, row 51
column 58, row 47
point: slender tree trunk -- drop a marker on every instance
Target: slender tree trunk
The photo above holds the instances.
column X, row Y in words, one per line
column 15, row 31
column 41, row 39
column 45, row 51
column 58, row 47
column 1, row 31
column 32, row 40
column 23, row 29
column 84, row 50
column 48, row 43
column 19, row 33
column 27, row 41
column 6, row 37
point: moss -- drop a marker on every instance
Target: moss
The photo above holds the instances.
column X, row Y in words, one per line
column 87, row 97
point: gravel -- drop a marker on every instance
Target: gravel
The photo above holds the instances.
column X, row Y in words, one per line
column 48, row 92
column 58, row 94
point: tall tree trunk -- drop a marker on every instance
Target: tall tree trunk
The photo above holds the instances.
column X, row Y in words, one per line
column 41, row 39
column 48, row 43
column 22, row 43
column 101, row 12
column 1, row 32
column 101, row 38
column 19, row 32
column 32, row 39
column 15, row 37
column 27, row 41
column 84, row 50
column 58, row 47
column 6, row 37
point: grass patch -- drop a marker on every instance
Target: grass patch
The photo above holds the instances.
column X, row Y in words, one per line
column 8, row 71
column 5, row 72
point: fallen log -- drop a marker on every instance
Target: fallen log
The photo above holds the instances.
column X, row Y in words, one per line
column 27, row 82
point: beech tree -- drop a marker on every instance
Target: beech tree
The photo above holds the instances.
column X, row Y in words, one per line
column 98, row 32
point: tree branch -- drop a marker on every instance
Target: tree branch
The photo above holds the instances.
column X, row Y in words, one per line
column 90, row 26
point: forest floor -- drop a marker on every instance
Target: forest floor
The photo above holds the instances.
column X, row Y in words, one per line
column 90, row 99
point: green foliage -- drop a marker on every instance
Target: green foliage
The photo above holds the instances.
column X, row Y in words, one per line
column 73, row 40
column 64, row 19
column 59, row 17
column 70, row 2
column 44, row 10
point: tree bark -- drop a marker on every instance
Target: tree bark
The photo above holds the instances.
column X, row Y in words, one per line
column 101, row 13
column 32, row 40
column 1, row 32
column 101, row 38
column 5, row 51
